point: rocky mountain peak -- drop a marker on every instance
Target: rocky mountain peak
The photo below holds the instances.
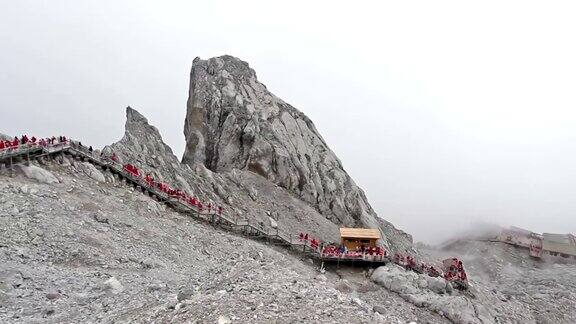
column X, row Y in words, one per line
column 144, row 135
column 143, row 145
column 234, row 122
column 134, row 117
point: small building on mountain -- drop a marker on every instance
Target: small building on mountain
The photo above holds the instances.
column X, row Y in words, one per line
column 519, row 236
column 563, row 244
column 356, row 238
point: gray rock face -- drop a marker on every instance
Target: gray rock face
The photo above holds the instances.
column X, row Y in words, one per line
column 38, row 174
column 92, row 172
column 233, row 121
column 243, row 194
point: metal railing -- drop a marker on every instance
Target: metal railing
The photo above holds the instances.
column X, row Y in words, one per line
column 19, row 150
column 354, row 257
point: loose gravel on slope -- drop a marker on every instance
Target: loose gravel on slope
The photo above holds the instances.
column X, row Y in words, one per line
column 82, row 251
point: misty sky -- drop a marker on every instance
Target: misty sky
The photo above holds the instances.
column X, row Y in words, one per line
column 443, row 112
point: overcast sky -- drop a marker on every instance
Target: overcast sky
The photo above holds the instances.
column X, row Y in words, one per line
column 443, row 112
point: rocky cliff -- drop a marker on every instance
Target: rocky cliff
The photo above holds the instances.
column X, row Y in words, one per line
column 234, row 122
column 243, row 194
column 142, row 145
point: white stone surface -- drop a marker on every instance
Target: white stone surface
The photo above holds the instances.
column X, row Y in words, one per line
column 39, row 174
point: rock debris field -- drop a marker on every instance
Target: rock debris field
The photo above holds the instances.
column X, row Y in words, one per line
column 84, row 250
column 81, row 250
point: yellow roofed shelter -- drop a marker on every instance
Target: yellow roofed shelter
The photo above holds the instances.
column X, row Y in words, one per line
column 354, row 238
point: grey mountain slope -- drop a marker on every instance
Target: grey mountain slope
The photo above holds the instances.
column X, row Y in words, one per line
column 83, row 251
column 234, row 122
column 62, row 243
column 142, row 145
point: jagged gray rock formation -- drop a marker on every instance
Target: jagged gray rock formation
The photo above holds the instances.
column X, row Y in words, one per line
column 142, row 145
column 234, row 122
column 243, row 194
column 92, row 172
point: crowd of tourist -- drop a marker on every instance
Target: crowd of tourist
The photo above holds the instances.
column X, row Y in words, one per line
column 408, row 262
column 173, row 193
column 307, row 239
column 332, row 250
column 27, row 141
column 453, row 268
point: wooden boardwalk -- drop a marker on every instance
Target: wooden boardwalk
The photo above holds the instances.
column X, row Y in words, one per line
column 274, row 236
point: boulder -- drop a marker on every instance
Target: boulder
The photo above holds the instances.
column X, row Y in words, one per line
column 379, row 309
column 92, row 171
column 101, row 218
column 437, row 285
column 39, row 174
column 113, row 285
column 396, row 279
column 53, row 295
